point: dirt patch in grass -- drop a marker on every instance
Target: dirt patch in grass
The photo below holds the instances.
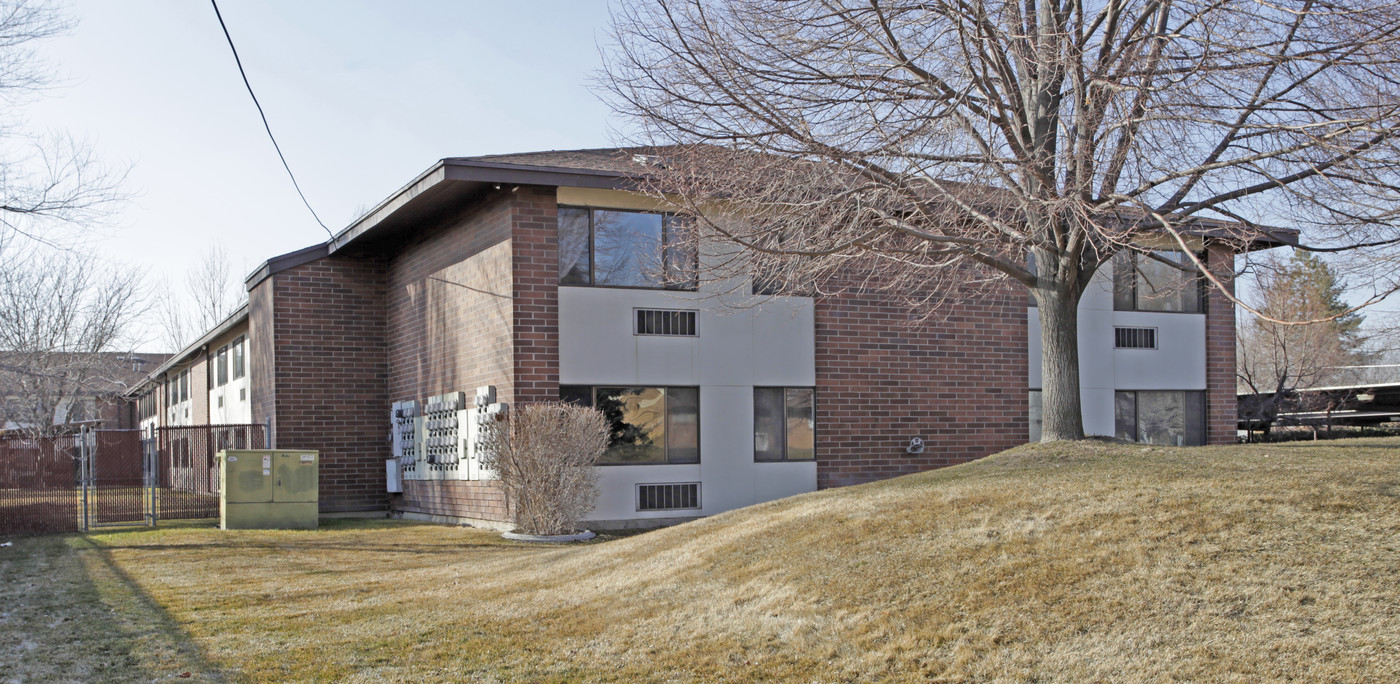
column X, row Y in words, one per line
column 1071, row 562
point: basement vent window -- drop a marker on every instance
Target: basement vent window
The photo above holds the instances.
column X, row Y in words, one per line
column 665, row 322
column 668, row 497
column 1135, row 338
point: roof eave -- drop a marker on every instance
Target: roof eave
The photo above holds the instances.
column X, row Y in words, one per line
column 452, row 178
column 176, row 359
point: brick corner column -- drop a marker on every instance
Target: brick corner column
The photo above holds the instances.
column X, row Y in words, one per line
column 534, row 230
column 1221, row 403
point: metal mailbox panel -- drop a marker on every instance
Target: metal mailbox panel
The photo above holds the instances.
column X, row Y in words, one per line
column 246, row 476
column 295, row 477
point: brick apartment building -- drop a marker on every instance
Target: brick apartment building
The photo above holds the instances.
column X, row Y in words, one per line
column 522, row 273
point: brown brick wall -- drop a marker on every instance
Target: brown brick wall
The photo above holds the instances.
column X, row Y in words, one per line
column 473, row 301
column 329, row 374
column 1221, row 409
column 959, row 383
column 260, row 356
column 116, row 412
column 483, row 500
column 449, row 306
column 535, row 258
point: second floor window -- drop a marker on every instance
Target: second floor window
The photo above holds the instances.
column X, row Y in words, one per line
column 1149, row 283
column 239, row 367
column 615, row 248
column 221, row 367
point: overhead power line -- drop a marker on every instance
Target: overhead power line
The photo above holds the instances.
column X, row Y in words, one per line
column 257, row 104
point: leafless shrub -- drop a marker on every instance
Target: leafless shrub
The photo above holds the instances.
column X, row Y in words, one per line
column 544, row 454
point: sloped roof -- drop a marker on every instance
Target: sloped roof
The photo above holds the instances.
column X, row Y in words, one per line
column 622, row 161
column 188, row 354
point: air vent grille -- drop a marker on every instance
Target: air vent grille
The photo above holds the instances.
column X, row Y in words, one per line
column 665, row 322
column 1135, row 338
column 668, row 497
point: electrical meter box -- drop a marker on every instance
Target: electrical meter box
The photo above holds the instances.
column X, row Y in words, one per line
column 262, row 489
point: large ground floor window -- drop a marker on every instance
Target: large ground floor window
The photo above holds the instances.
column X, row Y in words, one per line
column 1037, row 415
column 1171, row 418
column 649, row 424
column 1167, row 417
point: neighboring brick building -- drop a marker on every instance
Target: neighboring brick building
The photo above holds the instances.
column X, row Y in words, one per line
column 524, row 273
column 64, row 389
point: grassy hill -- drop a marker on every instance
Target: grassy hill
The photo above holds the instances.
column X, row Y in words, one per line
column 1068, row 562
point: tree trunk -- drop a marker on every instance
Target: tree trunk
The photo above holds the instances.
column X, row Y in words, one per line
column 1062, row 415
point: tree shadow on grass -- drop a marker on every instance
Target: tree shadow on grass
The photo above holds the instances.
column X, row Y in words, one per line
column 69, row 613
column 159, row 642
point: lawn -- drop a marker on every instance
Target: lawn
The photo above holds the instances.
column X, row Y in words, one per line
column 1073, row 562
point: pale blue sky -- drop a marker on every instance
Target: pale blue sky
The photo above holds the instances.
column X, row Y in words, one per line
column 361, row 95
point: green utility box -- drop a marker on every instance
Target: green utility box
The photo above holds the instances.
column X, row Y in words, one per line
column 261, row 489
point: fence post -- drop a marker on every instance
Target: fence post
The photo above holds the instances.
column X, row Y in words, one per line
column 83, row 471
column 150, row 463
column 268, row 441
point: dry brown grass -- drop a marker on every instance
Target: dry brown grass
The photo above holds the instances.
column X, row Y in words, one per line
column 1071, row 562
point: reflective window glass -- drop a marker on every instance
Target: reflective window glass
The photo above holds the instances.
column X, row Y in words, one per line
column 1036, row 415
column 683, row 425
column 801, row 425
column 239, row 367
column 768, row 424
column 627, row 249
column 1167, row 418
column 574, row 267
column 221, row 366
column 637, row 416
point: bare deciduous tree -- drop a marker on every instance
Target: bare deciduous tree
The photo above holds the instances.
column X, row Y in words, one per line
column 1274, row 360
column 210, row 294
column 60, row 309
column 545, row 456
column 926, row 149
column 52, row 185
column 62, row 315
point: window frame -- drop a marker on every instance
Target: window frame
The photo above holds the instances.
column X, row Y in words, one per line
column 666, row 218
column 238, row 358
column 1035, row 415
column 1131, row 258
column 221, row 366
column 784, row 389
column 666, row 419
column 1186, row 401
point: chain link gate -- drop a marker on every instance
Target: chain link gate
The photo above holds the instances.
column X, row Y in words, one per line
column 108, row 478
column 116, row 487
column 135, row 477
